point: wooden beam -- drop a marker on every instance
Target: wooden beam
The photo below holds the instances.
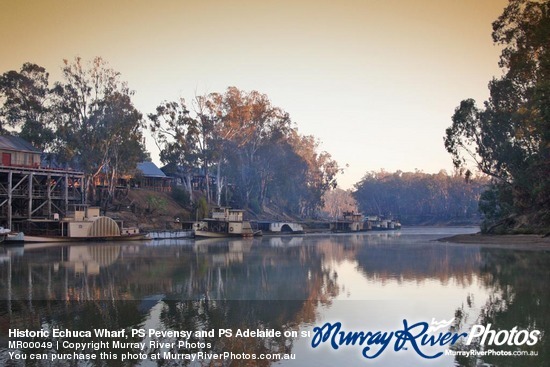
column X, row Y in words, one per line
column 29, row 211
column 10, row 177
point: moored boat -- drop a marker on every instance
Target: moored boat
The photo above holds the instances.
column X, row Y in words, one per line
column 84, row 224
column 378, row 223
column 225, row 222
column 4, row 232
column 351, row 222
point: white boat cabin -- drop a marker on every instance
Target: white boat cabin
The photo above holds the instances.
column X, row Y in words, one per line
column 227, row 214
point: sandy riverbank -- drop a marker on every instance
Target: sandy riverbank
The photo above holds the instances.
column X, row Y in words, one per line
column 520, row 241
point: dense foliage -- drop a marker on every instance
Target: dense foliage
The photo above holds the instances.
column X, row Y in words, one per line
column 245, row 151
column 249, row 150
column 26, row 104
column 87, row 119
column 420, row 198
column 509, row 138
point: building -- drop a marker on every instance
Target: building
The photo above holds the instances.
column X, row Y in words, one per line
column 150, row 177
column 145, row 176
column 29, row 191
column 17, row 152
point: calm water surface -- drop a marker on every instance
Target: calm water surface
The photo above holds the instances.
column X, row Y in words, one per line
column 367, row 282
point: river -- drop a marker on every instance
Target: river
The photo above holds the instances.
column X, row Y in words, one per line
column 144, row 297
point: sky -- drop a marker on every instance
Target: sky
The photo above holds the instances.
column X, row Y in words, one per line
column 376, row 81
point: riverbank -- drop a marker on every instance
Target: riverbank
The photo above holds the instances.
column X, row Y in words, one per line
column 517, row 241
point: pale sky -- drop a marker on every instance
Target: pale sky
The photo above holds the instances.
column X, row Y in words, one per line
column 376, row 81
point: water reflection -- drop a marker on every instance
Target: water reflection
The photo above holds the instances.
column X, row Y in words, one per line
column 370, row 280
column 518, row 283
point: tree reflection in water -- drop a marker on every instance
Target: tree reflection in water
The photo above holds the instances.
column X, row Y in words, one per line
column 209, row 286
column 274, row 283
column 519, row 281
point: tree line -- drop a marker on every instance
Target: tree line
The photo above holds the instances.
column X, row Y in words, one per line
column 251, row 153
column 508, row 139
column 248, row 151
column 246, row 144
column 421, row 198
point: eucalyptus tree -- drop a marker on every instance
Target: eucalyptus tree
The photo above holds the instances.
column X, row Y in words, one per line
column 189, row 141
column 174, row 132
column 235, row 128
column 210, row 140
column 26, row 104
column 251, row 144
column 97, row 126
column 320, row 175
column 252, row 121
column 339, row 201
column 509, row 138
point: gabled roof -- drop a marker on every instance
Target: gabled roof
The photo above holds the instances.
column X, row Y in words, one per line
column 150, row 169
column 9, row 142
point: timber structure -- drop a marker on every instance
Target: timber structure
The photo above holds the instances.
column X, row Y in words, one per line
column 31, row 192
column 36, row 193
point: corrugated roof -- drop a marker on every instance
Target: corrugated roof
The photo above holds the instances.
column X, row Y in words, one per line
column 9, row 142
column 150, row 169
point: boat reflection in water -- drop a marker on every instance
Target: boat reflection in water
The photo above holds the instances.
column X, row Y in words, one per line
column 367, row 281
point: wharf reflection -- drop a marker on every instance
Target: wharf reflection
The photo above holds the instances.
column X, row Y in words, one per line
column 210, row 285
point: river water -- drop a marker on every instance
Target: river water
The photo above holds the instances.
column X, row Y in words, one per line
column 289, row 288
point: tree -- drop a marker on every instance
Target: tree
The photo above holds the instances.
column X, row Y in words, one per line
column 26, row 104
column 238, row 126
column 419, row 198
column 216, row 137
column 320, row 175
column 88, row 118
column 97, row 126
column 175, row 133
column 509, row 138
column 125, row 147
column 338, row 201
column 257, row 154
column 252, row 122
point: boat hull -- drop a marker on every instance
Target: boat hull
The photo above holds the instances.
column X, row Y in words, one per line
column 22, row 238
column 162, row 235
column 211, row 234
